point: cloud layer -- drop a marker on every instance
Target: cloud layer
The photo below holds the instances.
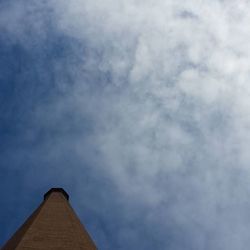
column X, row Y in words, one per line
column 150, row 99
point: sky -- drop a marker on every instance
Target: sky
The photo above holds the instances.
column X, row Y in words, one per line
column 138, row 109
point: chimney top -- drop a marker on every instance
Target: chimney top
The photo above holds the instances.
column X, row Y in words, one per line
column 61, row 190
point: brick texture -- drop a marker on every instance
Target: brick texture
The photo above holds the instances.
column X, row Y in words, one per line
column 53, row 225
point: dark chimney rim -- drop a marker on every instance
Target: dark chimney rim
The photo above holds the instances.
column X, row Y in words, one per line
column 52, row 190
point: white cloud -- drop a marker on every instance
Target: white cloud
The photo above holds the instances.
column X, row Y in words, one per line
column 172, row 120
column 182, row 113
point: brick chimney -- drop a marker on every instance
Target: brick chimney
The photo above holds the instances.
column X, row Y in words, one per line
column 53, row 225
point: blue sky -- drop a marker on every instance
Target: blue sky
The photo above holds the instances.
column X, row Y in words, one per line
column 139, row 109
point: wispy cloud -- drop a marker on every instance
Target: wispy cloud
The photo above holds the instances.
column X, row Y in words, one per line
column 155, row 97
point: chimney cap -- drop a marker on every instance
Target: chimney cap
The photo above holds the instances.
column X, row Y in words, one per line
column 61, row 190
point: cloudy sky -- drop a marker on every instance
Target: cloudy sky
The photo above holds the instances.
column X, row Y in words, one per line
column 139, row 109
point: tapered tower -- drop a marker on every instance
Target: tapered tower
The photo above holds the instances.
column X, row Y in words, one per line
column 53, row 225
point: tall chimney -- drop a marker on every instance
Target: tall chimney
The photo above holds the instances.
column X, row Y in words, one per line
column 53, row 225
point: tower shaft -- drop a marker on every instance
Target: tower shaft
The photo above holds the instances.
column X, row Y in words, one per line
column 53, row 225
